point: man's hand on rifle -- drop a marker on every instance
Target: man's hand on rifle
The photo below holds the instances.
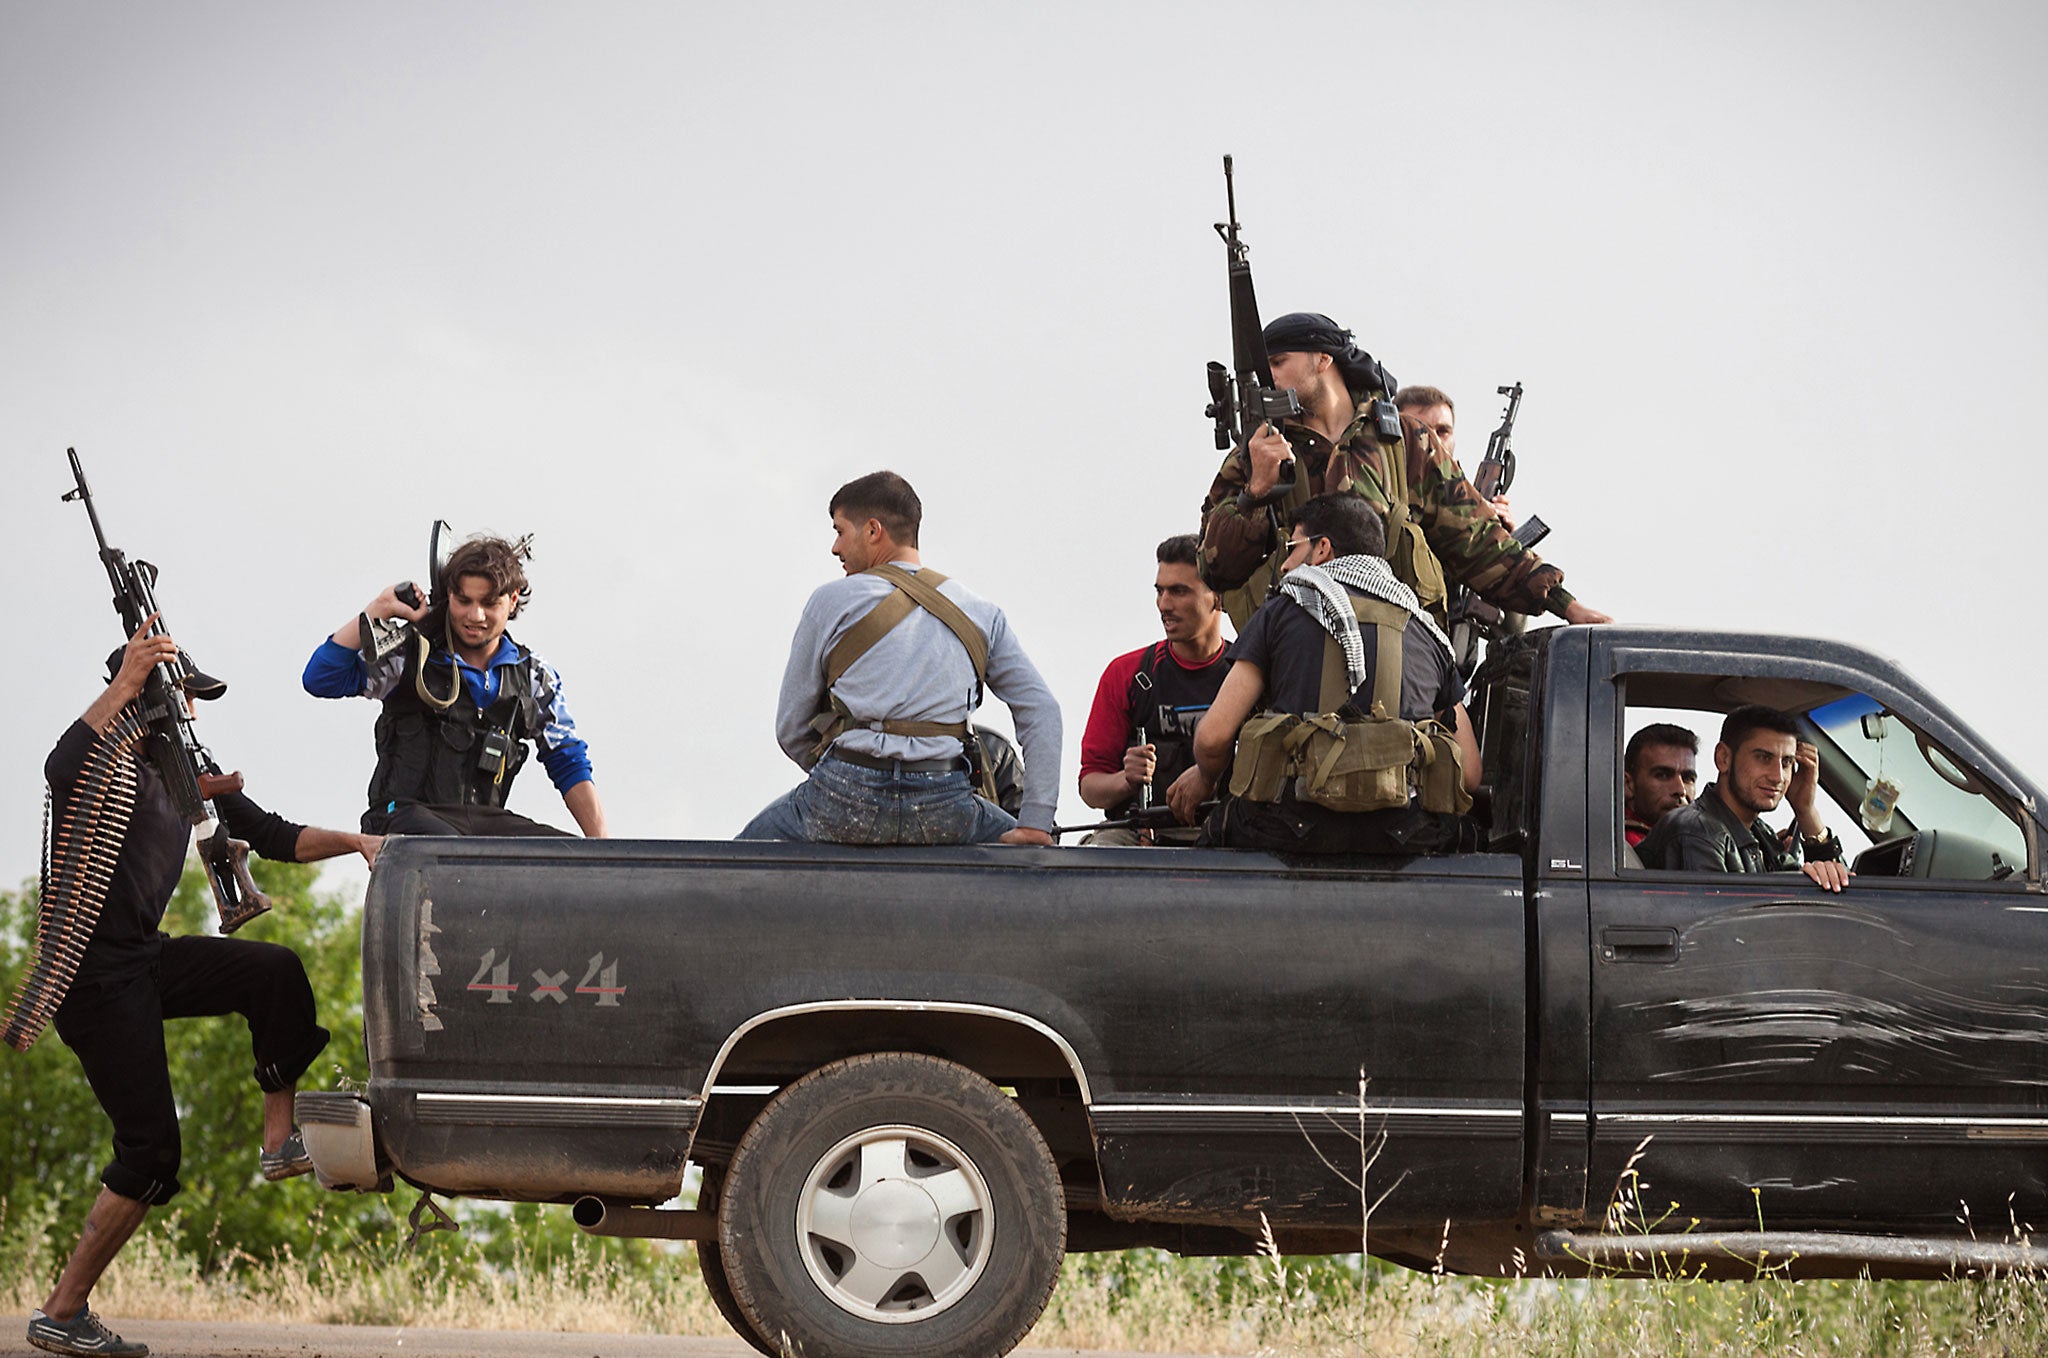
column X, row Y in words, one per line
column 389, row 605
column 1140, row 762
column 1188, row 793
column 1268, row 449
column 142, row 654
column 1502, row 512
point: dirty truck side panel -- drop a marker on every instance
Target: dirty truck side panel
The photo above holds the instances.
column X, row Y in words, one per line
column 1875, row 1057
column 543, row 1015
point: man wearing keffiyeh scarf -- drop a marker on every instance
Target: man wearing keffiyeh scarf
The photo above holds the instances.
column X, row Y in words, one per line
column 1335, row 549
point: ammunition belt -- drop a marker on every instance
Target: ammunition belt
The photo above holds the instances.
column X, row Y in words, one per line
column 78, row 864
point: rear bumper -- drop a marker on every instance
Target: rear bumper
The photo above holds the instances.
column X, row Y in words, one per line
column 339, row 1137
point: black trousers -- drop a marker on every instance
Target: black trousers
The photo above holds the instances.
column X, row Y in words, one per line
column 115, row 1025
column 419, row 818
column 1288, row 826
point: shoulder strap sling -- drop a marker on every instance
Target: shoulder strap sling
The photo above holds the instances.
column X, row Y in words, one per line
column 913, row 590
column 1388, row 621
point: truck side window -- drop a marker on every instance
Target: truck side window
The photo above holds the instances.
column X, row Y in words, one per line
column 1903, row 805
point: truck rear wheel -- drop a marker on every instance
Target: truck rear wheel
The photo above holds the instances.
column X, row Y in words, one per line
column 711, row 1267
column 889, row 1205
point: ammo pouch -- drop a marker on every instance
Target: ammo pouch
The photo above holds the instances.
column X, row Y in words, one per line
column 1345, row 762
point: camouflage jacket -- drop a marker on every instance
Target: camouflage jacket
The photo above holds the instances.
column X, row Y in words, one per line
column 1476, row 551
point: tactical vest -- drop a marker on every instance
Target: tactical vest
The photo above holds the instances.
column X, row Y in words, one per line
column 449, row 752
column 1347, row 762
column 914, row 590
column 1167, row 701
column 1408, row 551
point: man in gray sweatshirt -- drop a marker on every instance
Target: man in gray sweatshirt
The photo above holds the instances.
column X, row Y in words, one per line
column 886, row 668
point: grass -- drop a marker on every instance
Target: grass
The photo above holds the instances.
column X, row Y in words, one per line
column 493, row 1277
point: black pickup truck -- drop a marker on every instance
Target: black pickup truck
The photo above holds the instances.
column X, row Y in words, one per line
column 913, row 1078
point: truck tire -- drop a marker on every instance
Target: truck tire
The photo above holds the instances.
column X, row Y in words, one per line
column 890, row 1205
column 711, row 1267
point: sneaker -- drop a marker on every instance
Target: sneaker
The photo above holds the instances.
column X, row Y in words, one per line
column 84, row 1333
column 287, row 1161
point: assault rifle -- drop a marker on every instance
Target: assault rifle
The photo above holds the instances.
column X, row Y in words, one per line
column 188, row 771
column 1471, row 616
column 1158, row 817
column 1242, row 397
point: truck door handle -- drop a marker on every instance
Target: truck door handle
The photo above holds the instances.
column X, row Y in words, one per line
column 1638, row 943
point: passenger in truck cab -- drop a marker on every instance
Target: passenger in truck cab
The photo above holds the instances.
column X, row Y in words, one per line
column 1658, row 775
column 1760, row 762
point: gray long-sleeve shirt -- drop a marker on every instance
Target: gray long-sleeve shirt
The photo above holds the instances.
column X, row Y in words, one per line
column 918, row 671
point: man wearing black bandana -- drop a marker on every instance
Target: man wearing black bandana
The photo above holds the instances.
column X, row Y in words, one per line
column 1340, row 445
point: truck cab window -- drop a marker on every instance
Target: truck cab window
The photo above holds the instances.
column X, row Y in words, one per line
column 1902, row 803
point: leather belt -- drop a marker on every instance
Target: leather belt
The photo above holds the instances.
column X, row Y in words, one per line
column 869, row 761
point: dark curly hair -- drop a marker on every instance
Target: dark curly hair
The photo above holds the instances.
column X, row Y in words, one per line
column 497, row 561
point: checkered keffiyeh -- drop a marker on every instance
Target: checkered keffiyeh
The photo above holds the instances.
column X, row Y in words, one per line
column 1320, row 590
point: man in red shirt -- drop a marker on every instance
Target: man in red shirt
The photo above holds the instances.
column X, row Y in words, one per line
column 1161, row 690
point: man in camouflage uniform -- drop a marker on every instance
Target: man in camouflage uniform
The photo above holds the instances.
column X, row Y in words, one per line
column 1336, row 446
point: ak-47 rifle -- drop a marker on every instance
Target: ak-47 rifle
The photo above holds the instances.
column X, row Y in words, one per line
column 1471, row 616
column 188, row 771
column 1242, row 397
column 1159, row 817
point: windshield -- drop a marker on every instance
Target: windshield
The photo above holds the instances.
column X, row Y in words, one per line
column 1883, row 747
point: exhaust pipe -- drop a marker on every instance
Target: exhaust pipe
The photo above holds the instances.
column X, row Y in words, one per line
column 598, row 1217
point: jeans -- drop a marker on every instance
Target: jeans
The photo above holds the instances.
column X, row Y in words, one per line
column 844, row 803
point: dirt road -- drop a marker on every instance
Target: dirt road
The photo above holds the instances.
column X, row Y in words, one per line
column 198, row 1339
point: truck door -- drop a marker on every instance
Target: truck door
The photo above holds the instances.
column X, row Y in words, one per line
column 1775, row 1053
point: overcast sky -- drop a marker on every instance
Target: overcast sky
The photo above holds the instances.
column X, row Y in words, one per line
column 650, row 281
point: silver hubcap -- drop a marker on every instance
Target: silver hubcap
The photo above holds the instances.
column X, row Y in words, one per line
column 894, row 1224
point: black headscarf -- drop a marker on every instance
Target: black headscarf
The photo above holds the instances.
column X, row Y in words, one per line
column 1308, row 332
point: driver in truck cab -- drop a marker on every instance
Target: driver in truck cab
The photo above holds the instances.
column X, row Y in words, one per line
column 1761, row 761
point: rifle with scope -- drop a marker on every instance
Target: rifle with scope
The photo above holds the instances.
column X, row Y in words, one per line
column 188, row 771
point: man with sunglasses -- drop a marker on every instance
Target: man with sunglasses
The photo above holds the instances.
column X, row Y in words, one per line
column 1334, row 555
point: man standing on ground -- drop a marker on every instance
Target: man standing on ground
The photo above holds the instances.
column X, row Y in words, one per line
column 462, row 700
column 1761, row 762
column 1161, row 690
column 1658, row 775
column 885, row 670
column 133, row 977
column 1343, row 637
column 1436, row 525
